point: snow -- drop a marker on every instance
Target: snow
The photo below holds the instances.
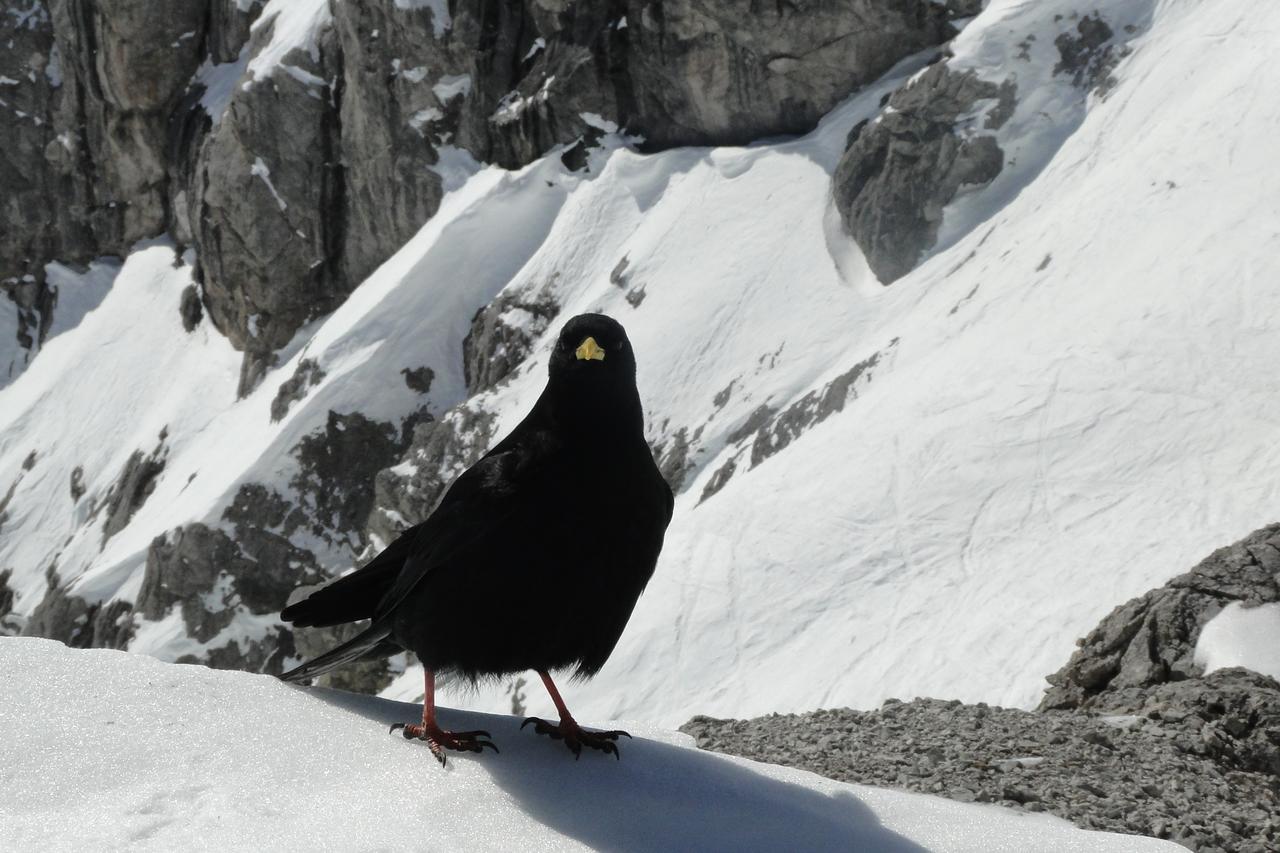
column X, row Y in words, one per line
column 219, row 81
column 538, row 44
column 259, row 169
column 77, row 293
column 441, row 20
column 1242, row 636
column 451, row 86
column 295, row 25
column 1042, row 442
column 110, row 751
column 419, row 120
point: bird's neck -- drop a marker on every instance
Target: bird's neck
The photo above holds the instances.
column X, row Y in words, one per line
column 612, row 417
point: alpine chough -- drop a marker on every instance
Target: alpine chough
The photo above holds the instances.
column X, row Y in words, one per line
column 535, row 556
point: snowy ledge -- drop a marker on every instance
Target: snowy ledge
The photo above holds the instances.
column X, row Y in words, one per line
column 108, row 750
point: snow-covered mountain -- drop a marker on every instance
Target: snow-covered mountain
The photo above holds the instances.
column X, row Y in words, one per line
column 938, row 382
column 185, row 757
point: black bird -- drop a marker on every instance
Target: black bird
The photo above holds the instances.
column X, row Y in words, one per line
column 535, row 556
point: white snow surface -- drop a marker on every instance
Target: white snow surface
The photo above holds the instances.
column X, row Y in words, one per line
column 295, row 25
column 1073, row 399
column 1242, row 636
column 105, row 750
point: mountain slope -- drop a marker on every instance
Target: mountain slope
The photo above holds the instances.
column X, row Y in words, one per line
column 926, row 488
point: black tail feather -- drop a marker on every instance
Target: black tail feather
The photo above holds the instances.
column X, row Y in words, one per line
column 353, row 597
column 369, row 643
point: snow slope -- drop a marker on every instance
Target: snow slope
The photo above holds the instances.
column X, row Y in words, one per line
column 1071, row 401
column 105, row 750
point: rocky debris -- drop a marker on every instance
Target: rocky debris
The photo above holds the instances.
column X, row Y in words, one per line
column 900, row 170
column 502, row 334
column 136, row 482
column 1151, row 639
column 772, row 430
column 1089, row 56
column 407, row 492
column 1160, row 773
column 293, row 389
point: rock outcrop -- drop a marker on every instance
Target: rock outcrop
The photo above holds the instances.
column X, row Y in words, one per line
column 1151, row 640
column 901, row 169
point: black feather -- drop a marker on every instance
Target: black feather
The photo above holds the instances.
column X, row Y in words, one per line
column 536, row 554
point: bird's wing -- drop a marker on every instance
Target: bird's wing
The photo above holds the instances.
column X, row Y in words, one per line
column 479, row 505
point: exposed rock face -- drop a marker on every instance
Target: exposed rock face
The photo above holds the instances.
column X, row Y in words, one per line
column 439, row 450
column 267, row 206
column 8, row 624
column 502, row 333
column 1151, row 640
column 76, row 622
column 211, row 579
column 132, row 488
column 770, row 431
column 113, row 143
column 1088, row 55
column 704, row 72
column 902, row 169
column 293, row 389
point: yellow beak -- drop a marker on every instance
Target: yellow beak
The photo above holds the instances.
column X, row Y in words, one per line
column 589, row 350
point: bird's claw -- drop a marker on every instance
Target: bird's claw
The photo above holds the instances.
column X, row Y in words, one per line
column 575, row 737
column 438, row 740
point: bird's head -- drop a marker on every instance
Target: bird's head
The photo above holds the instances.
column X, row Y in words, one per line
column 593, row 351
column 593, row 378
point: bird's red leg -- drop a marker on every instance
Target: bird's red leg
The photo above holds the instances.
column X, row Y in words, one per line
column 574, row 736
column 437, row 738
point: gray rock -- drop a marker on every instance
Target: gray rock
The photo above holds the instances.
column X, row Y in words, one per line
column 901, row 170
column 391, row 122
column 1151, row 639
column 136, row 482
column 293, row 389
column 770, row 430
column 211, row 578
column 190, row 309
column 703, row 72
column 502, row 334
column 1182, row 776
column 337, row 470
column 406, row 493
column 9, row 625
column 74, row 621
column 1089, row 55
column 267, row 208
